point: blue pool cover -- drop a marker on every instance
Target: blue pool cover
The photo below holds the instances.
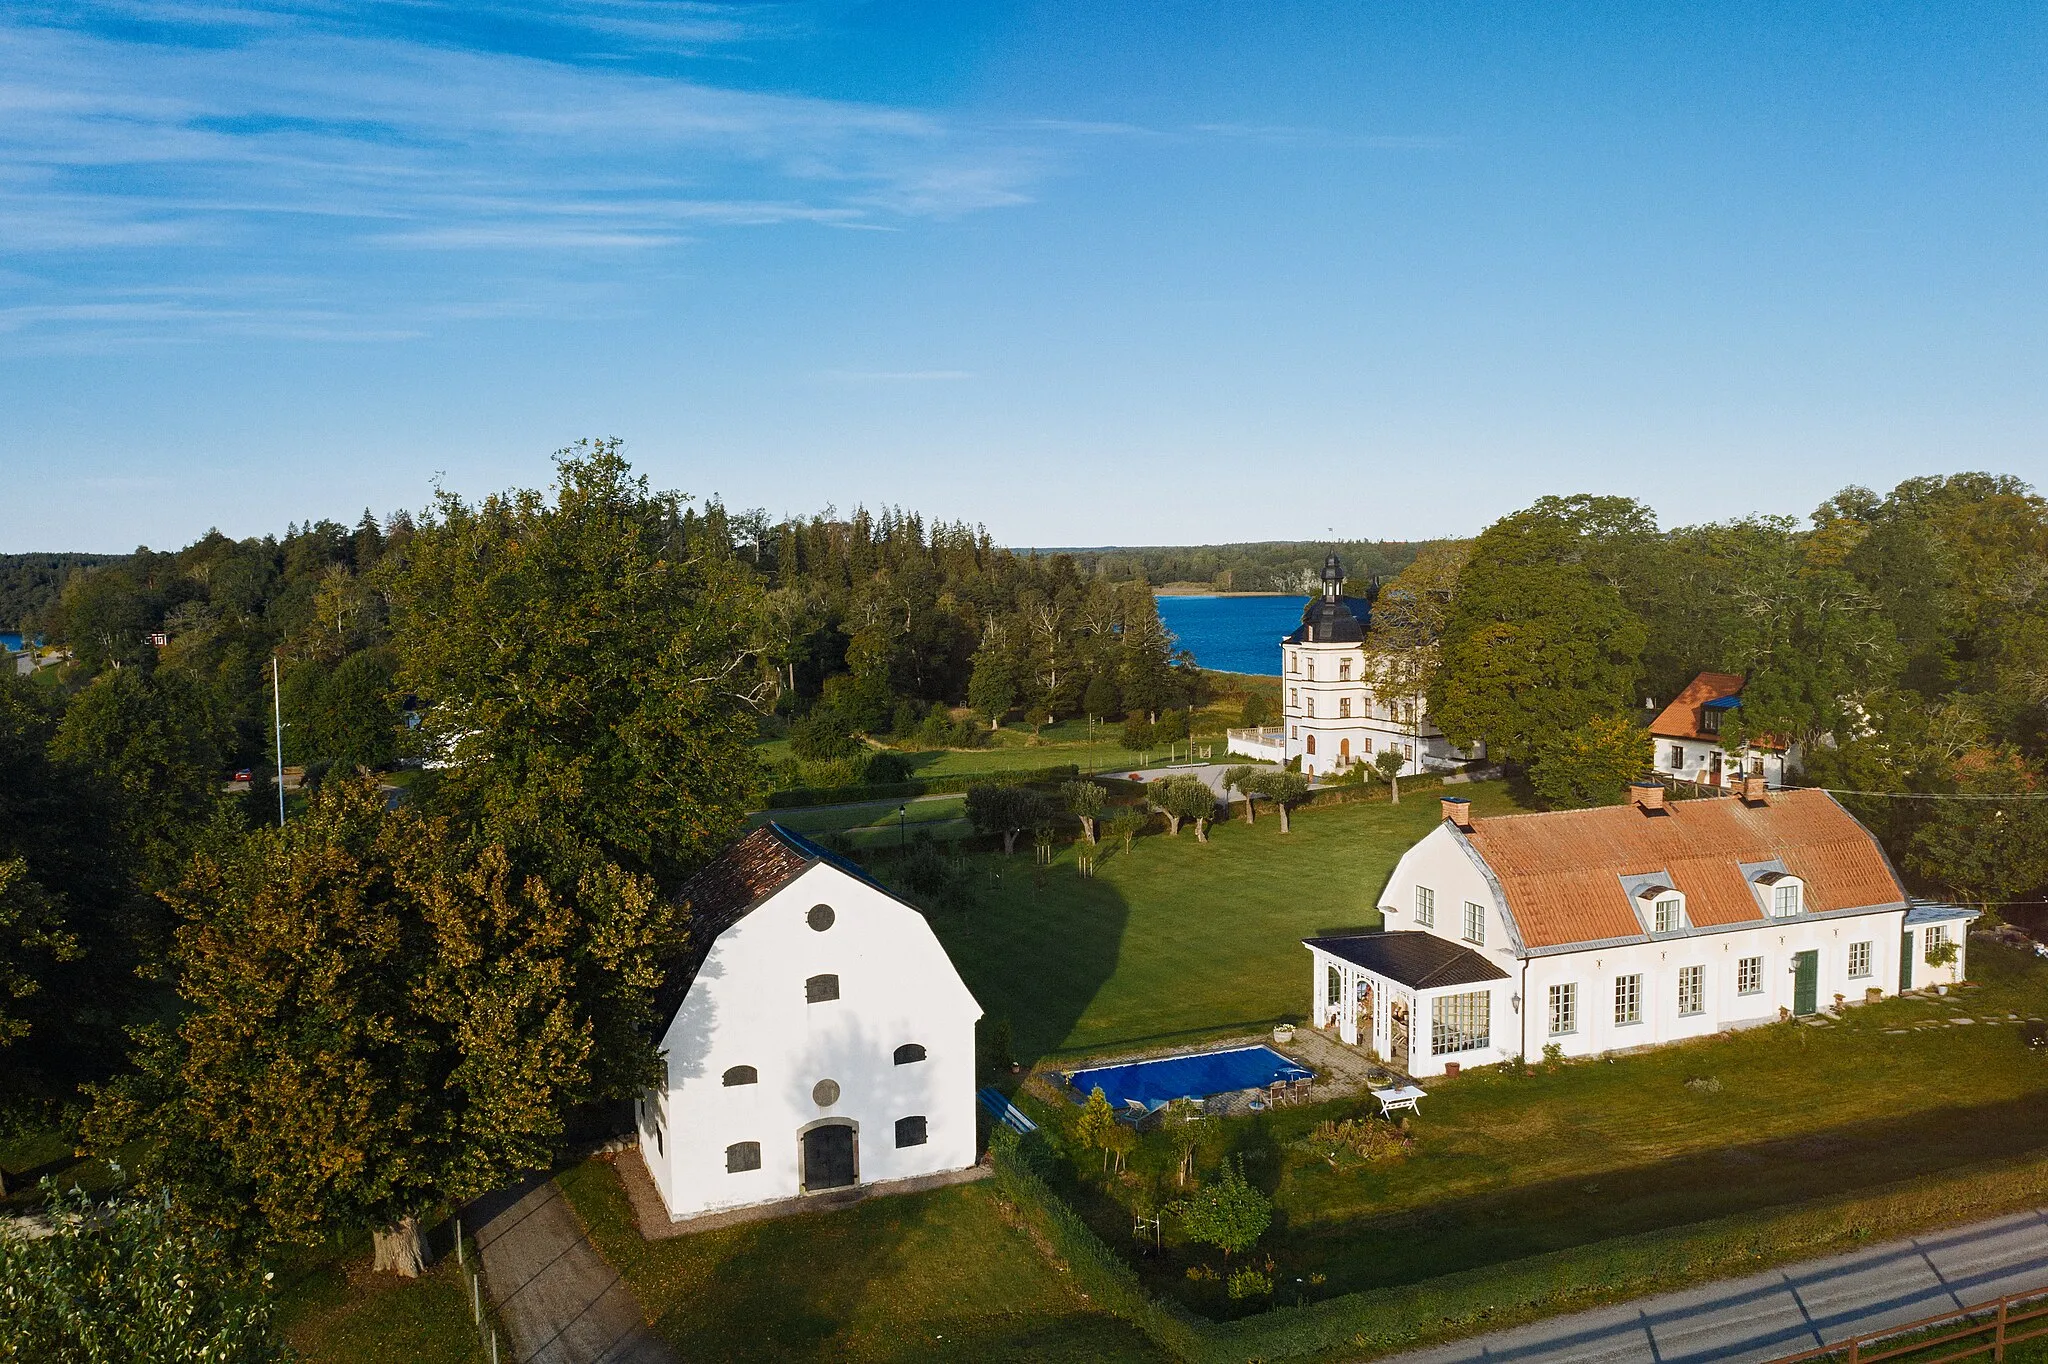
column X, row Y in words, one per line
column 1188, row 1077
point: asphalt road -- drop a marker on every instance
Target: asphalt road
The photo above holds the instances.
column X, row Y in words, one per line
column 1783, row 1311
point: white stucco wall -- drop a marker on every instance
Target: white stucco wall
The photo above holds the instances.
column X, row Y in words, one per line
column 1692, row 759
column 747, row 1007
column 1370, row 719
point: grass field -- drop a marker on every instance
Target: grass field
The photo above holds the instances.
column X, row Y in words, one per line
column 928, row 1276
column 1177, row 938
column 1506, row 1165
column 874, row 823
column 334, row 1311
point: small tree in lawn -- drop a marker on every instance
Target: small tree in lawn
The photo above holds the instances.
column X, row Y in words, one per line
column 1096, row 1122
column 1172, row 727
column 992, row 689
column 1285, row 789
column 1257, row 710
column 1138, row 732
column 1084, row 801
column 1238, row 779
column 1183, row 798
column 1126, row 824
column 994, row 808
column 1119, row 1142
column 1388, row 763
column 1227, row 1212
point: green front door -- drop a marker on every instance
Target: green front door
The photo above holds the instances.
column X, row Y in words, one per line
column 1906, row 961
column 1806, row 983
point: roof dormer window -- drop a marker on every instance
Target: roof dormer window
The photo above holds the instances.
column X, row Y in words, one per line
column 1783, row 893
column 1662, row 908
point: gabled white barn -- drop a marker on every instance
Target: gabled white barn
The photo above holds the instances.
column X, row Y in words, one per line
column 1629, row 926
column 820, row 1037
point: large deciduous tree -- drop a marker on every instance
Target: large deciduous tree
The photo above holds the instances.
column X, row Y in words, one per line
column 379, row 1016
column 1536, row 641
column 1591, row 764
column 588, row 674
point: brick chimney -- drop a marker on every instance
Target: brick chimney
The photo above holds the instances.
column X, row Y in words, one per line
column 1458, row 811
column 1648, row 796
column 1753, row 791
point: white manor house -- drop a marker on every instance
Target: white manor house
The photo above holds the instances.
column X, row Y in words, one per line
column 1334, row 710
column 1628, row 926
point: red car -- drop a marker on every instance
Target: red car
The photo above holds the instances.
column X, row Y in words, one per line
column 244, row 774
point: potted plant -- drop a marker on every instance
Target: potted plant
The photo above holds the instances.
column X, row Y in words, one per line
column 1283, row 1033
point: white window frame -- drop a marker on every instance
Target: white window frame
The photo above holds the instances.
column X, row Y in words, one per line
column 1475, row 923
column 1749, row 975
column 1788, row 899
column 1461, row 1022
column 1564, row 1009
column 1692, row 990
column 1425, row 907
column 1628, row 1000
column 1860, row 958
column 1343, row 670
column 1668, row 913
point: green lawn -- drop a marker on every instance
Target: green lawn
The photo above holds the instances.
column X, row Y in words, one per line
column 874, row 822
column 937, row 1275
column 334, row 1311
column 1178, row 938
column 1507, row 1166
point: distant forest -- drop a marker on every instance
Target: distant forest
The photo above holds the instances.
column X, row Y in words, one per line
column 1254, row 566
column 29, row 583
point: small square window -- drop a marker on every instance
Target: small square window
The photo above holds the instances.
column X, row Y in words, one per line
column 910, row 1131
column 1749, row 976
column 819, row 989
column 742, row 1156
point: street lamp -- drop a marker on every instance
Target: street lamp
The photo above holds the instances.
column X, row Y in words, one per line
column 902, row 837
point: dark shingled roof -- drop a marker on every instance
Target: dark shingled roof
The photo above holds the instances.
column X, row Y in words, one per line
column 1332, row 620
column 1421, row 961
column 731, row 887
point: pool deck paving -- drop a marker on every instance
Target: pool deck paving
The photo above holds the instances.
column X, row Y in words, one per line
column 1784, row 1311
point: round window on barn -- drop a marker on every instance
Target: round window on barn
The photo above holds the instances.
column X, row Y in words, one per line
column 820, row 917
column 825, row 1093
column 742, row 1075
column 909, row 1052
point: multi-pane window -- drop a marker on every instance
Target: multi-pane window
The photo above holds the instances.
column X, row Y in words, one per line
column 1343, row 670
column 1293, row 696
column 1859, row 959
column 1937, row 939
column 1692, row 989
column 1475, row 923
column 1564, row 1009
column 1628, row 999
column 1785, row 900
column 1425, row 907
column 1678, row 757
column 1460, row 1022
column 1343, row 708
column 1293, row 662
column 1311, row 670
column 1670, row 914
column 1334, row 988
column 1310, row 711
column 1749, row 976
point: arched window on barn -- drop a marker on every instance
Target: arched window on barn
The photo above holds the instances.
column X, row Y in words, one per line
column 742, row 1075
column 742, row 1156
column 909, row 1052
column 818, row 989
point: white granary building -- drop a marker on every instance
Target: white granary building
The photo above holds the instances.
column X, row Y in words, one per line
column 819, row 1038
column 1628, row 926
column 1336, row 707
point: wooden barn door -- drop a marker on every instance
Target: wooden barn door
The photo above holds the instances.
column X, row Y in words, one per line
column 828, row 1157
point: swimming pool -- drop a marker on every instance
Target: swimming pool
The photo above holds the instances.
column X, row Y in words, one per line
column 1188, row 1077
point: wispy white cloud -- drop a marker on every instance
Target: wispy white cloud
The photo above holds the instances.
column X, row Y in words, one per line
column 278, row 130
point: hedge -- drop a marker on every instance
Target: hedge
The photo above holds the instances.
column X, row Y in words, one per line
column 918, row 786
column 1385, row 1320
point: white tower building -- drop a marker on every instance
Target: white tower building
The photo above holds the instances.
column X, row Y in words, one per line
column 1332, row 702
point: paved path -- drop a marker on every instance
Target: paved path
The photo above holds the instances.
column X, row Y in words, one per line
column 556, row 1295
column 1785, row 1310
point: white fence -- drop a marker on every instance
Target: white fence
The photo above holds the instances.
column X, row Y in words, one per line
column 1267, row 745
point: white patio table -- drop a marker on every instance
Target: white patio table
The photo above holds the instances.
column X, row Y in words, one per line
column 1401, row 1096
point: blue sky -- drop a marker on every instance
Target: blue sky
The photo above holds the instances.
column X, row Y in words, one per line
column 1086, row 273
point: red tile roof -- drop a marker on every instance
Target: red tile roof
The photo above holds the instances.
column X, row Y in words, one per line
column 1561, row 871
column 1681, row 719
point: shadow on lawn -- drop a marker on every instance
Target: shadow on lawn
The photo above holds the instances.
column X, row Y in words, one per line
column 1511, row 1223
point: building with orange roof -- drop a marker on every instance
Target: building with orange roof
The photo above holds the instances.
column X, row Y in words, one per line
column 1689, row 743
column 1628, row 926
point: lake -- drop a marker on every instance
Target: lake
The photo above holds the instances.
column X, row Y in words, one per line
column 1233, row 634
